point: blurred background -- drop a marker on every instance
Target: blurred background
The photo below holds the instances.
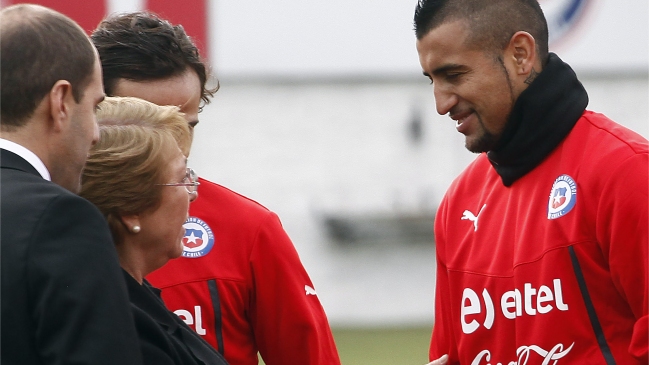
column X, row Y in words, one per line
column 324, row 117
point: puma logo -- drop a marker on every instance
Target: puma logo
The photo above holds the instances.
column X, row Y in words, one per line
column 309, row 290
column 472, row 217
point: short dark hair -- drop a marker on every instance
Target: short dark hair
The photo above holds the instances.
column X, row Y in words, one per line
column 38, row 47
column 492, row 22
column 140, row 46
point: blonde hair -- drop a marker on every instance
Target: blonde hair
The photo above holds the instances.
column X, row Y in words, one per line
column 129, row 110
column 136, row 140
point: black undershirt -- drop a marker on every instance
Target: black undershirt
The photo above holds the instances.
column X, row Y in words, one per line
column 541, row 118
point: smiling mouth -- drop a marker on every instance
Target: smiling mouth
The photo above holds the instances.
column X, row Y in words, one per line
column 460, row 118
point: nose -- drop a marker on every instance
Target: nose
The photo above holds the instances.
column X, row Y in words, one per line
column 193, row 196
column 95, row 132
column 445, row 99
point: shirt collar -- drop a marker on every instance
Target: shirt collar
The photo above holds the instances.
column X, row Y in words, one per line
column 28, row 155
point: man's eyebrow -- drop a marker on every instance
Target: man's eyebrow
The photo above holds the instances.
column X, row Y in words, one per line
column 446, row 68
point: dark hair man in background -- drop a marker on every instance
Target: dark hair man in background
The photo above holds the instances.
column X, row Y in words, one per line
column 542, row 242
column 240, row 283
column 64, row 299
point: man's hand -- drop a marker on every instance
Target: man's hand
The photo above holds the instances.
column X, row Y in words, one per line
column 441, row 361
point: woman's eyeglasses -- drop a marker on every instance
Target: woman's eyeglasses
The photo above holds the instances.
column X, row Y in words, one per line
column 190, row 182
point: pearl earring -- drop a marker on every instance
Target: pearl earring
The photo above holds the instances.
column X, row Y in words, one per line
column 136, row 229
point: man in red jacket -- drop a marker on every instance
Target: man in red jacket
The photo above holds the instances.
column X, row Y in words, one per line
column 240, row 282
column 542, row 242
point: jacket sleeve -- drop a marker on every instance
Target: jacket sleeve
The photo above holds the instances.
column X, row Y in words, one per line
column 443, row 340
column 81, row 312
column 289, row 323
column 622, row 226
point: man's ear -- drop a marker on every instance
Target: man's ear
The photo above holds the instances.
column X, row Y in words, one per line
column 60, row 98
column 522, row 53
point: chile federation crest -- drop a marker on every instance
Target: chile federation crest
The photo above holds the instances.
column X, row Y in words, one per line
column 563, row 197
column 198, row 240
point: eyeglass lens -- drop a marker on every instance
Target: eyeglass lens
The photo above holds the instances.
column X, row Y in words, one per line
column 191, row 178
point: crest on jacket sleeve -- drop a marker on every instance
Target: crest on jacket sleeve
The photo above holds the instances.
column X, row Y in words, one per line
column 198, row 240
column 563, row 197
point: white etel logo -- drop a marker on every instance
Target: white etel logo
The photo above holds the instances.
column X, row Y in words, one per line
column 512, row 304
column 187, row 317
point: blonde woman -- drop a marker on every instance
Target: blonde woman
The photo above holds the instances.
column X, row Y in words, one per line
column 137, row 176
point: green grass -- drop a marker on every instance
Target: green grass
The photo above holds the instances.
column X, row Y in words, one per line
column 379, row 346
column 382, row 346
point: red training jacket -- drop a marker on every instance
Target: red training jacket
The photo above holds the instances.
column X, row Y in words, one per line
column 240, row 284
column 553, row 269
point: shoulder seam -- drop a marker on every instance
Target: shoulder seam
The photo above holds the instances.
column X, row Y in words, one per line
column 205, row 181
column 613, row 135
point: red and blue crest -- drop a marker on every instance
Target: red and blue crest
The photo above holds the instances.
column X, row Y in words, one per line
column 198, row 240
column 563, row 197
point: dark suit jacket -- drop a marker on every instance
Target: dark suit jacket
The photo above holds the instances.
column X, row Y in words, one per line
column 64, row 299
column 164, row 337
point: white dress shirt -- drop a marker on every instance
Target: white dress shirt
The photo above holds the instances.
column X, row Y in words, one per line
column 28, row 155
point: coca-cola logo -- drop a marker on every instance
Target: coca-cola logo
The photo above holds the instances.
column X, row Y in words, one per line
column 524, row 353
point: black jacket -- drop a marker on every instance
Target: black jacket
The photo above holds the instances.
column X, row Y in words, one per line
column 165, row 339
column 64, row 300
